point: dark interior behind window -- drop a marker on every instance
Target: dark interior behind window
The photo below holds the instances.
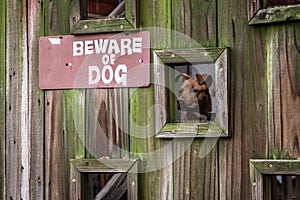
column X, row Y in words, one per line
column 105, row 8
column 282, row 2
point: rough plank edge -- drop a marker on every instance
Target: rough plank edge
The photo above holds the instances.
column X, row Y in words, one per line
column 256, row 185
column 283, row 167
column 101, row 26
column 191, row 55
column 276, row 14
column 104, row 165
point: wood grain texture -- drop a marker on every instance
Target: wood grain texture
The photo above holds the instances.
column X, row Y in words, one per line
column 247, row 100
column 36, row 103
column 196, row 19
column 64, row 116
column 2, row 98
column 16, row 98
column 284, row 99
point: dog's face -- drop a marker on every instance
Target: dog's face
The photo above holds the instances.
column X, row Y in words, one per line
column 194, row 98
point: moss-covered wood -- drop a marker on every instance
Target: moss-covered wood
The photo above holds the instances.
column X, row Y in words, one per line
column 276, row 14
column 64, row 115
column 80, row 24
column 247, row 99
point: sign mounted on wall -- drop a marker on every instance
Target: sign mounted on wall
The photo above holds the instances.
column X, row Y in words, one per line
column 95, row 61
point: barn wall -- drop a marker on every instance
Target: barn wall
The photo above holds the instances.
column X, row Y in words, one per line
column 42, row 130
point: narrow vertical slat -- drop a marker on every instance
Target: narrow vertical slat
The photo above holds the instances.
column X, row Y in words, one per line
column 289, row 92
column 2, row 97
column 96, row 123
column 54, row 154
column 154, row 13
column 36, row 103
column 16, row 108
column 256, row 184
column 75, row 184
column 118, row 116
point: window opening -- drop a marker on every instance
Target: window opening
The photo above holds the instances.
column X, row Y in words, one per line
column 191, row 86
column 98, row 16
column 283, row 187
column 105, row 186
column 98, row 9
column 195, row 102
column 104, row 179
column 282, row 2
column 276, row 179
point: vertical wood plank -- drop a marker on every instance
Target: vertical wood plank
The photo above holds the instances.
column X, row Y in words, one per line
column 36, row 103
column 290, row 93
column 283, row 97
column 118, row 116
column 97, row 124
column 17, row 93
column 155, row 13
column 247, row 99
column 2, row 97
column 196, row 19
column 195, row 178
column 64, row 116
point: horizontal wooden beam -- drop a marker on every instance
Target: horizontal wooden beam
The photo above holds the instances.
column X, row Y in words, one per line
column 276, row 14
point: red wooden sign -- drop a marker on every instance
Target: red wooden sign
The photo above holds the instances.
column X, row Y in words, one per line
column 95, row 61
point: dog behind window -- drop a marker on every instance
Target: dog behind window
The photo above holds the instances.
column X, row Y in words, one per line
column 194, row 99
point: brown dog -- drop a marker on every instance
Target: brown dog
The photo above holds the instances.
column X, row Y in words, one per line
column 194, row 99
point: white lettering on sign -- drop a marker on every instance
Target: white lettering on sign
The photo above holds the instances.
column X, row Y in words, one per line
column 108, row 46
column 95, row 74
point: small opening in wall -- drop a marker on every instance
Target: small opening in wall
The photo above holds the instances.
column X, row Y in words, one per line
column 282, row 187
column 192, row 87
column 105, row 186
column 282, row 2
column 195, row 92
column 106, row 8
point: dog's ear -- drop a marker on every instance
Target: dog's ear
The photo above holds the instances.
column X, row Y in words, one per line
column 186, row 76
column 205, row 78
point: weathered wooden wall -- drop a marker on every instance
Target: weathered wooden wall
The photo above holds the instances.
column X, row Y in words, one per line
column 42, row 130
